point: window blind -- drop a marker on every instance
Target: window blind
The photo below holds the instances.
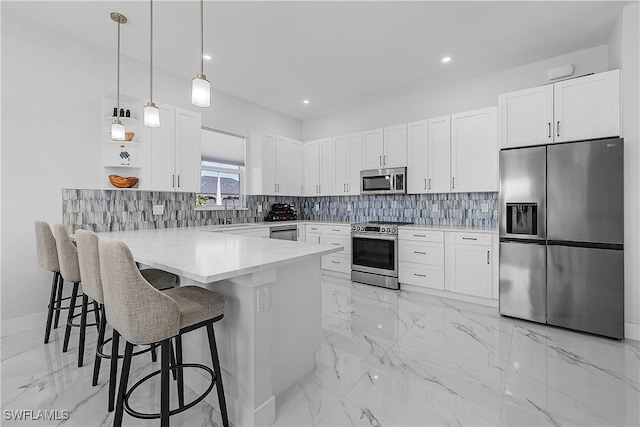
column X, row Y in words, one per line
column 222, row 147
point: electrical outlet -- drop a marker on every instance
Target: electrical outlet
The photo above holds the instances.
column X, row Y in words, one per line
column 263, row 296
column 259, row 208
column 484, row 207
column 317, row 206
column 349, row 207
column 158, row 209
column 435, row 208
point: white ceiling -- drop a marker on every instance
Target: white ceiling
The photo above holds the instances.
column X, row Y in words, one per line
column 337, row 54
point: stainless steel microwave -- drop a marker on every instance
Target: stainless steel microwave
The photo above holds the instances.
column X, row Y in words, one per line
column 383, row 181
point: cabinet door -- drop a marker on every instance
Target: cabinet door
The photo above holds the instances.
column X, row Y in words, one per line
column 312, row 168
column 268, row 164
column 355, row 162
column 282, row 167
column 342, row 160
column 373, row 148
column 327, row 167
column 588, row 107
column 162, row 168
column 474, row 151
column 526, row 117
column 395, row 147
column 417, row 166
column 468, row 270
column 439, row 155
column 296, row 187
column 187, row 146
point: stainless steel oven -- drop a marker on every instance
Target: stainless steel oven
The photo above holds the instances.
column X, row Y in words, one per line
column 383, row 181
column 374, row 252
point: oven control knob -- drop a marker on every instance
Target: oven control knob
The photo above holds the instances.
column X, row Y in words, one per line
column 353, row 228
column 393, row 230
column 383, row 230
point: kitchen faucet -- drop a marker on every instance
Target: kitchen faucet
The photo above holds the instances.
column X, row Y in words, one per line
column 226, row 220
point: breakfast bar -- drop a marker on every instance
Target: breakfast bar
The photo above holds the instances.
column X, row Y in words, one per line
column 271, row 328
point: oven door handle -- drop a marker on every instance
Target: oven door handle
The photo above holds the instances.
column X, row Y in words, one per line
column 374, row 237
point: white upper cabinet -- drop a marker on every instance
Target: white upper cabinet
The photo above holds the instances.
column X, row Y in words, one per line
column 395, row 146
column 417, row 158
column 348, row 163
column 385, row 147
column 439, row 155
column 296, row 178
column 327, row 167
column 587, row 107
column 174, row 151
column 571, row 110
column 526, row 117
column 474, row 151
column 312, row 168
column 373, row 148
column 275, row 165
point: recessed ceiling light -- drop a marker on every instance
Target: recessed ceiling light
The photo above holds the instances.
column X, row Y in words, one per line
column 305, row 101
column 207, row 57
column 446, row 59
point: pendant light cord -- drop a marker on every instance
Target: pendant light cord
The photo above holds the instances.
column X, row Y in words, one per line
column 151, row 54
column 118, row 78
column 201, row 36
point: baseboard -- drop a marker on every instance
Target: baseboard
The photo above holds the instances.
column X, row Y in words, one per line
column 336, row 274
column 632, row 331
column 22, row 324
column 451, row 295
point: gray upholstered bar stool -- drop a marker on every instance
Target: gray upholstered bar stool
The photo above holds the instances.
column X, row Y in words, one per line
column 70, row 271
column 144, row 315
column 48, row 259
column 88, row 257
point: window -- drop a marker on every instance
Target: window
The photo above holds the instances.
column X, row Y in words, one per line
column 222, row 167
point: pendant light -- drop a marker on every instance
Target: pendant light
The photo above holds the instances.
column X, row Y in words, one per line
column 201, row 88
column 151, row 113
column 117, row 128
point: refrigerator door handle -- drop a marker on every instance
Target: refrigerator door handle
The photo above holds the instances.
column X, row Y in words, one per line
column 558, row 128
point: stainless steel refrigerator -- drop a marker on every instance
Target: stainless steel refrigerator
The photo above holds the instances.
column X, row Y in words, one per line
column 562, row 235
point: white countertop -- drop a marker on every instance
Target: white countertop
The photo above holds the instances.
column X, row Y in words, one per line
column 198, row 254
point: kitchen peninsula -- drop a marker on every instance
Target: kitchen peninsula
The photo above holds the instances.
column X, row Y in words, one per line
column 271, row 327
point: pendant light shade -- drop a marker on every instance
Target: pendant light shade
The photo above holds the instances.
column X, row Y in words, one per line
column 201, row 91
column 200, row 87
column 151, row 113
column 117, row 131
column 117, row 128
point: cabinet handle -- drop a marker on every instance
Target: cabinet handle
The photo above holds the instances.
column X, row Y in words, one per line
column 469, row 238
column 347, row 187
column 178, row 181
column 419, row 275
column 344, row 188
column 419, row 253
column 558, row 128
column 274, row 187
column 429, row 183
column 335, row 262
column 419, row 235
column 380, row 160
column 320, row 188
column 549, row 126
column 333, row 229
column 487, row 257
column 425, row 183
column 384, row 160
column 335, row 244
column 173, row 181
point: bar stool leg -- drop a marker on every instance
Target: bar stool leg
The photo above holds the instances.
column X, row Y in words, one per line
column 83, row 329
column 72, row 306
column 124, row 377
column 58, row 300
column 173, row 362
column 154, row 355
column 115, row 342
column 96, row 314
column 52, row 301
column 216, row 369
column 98, row 360
column 164, row 383
column 179, row 376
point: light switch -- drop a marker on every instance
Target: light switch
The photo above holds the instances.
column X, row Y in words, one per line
column 259, row 208
column 158, row 209
column 348, row 207
column 317, row 206
column 484, row 207
column 435, row 208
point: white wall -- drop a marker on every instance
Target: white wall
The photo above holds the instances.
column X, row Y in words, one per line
column 52, row 90
column 624, row 49
column 463, row 96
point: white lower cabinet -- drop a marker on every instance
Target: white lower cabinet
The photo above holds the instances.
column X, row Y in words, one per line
column 337, row 263
column 421, row 258
column 302, row 237
column 468, row 266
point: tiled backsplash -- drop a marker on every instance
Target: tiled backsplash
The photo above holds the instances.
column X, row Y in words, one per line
column 110, row 210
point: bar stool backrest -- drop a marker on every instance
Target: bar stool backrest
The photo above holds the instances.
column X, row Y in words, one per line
column 46, row 247
column 89, row 261
column 137, row 310
column 67, row 254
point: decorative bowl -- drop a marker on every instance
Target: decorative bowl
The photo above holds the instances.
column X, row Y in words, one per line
column 122, row 182
column 129, row 136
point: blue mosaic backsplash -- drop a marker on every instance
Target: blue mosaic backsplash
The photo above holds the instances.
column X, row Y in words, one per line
column 113, row 210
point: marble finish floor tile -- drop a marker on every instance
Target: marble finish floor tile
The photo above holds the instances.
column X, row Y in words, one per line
column 387, row 358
